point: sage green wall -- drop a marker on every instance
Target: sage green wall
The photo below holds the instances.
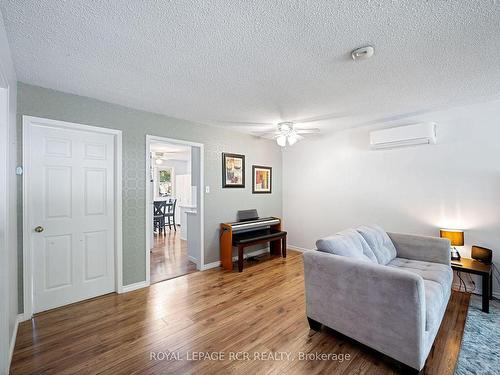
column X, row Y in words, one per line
column 220, row 204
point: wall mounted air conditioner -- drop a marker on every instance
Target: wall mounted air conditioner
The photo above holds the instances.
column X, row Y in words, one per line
column 402, row 136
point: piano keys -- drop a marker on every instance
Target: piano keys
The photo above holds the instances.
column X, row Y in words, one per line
column 239, row 226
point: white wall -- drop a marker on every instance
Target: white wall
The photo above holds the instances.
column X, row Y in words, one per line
column 8, row 216
column 337, row 182
column 220, row 204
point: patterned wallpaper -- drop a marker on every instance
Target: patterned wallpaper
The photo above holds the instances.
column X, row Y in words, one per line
column 220, row 205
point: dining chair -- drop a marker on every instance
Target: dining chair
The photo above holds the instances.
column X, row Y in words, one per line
column 170, row 214
column 159, row 212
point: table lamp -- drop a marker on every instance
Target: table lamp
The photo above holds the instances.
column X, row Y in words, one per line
column 456, row 238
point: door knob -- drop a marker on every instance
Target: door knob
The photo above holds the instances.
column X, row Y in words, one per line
column 39, row 229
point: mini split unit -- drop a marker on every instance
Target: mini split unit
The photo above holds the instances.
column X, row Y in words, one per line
column 403, row 136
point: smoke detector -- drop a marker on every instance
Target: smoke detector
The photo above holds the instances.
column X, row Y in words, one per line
column 362, row 53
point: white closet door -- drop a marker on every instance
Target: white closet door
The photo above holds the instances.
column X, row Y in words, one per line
column 71, row 215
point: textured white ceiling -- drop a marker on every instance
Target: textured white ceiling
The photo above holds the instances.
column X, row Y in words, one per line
column 261, row 61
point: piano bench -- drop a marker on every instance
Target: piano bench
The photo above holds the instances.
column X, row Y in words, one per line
column 254, row 238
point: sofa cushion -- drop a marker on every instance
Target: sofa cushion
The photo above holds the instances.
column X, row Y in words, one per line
column 347, row 243
column 437, row 284
column 379, row 242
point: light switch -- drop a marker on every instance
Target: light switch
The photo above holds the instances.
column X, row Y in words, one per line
column 207, row 189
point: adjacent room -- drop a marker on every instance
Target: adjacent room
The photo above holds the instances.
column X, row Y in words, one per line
column 249, row 187
column 174, row 199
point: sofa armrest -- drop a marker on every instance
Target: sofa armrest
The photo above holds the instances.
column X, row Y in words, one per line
column 380, row 306
column 425, row 248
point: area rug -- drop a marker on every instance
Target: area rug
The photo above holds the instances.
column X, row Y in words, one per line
column 480, row 352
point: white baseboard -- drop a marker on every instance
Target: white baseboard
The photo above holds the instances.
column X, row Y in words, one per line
column 457, row 286
column 135, row 286
column 235, row 258
column 23, row 318
column 301, row 249
column 210, row 265
column 477, row 290
column 253, row 254
column 195, row 261
column 19, row 319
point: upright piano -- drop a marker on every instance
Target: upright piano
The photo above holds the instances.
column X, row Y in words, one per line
column 250, row 230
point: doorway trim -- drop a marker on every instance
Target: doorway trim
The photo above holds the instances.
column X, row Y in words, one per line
column 28, row 121
column 7, row 341
column 149, row 226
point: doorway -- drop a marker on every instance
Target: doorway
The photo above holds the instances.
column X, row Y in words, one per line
column 71, row 213
column 174, row 245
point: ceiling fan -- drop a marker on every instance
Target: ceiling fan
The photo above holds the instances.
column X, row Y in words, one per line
column 286, row 132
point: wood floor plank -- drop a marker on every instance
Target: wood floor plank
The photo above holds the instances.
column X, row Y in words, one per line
column 261, row 310
column 169, row 256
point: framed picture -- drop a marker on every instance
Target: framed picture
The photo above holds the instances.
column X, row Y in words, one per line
column 233, row 171
column 261, row 179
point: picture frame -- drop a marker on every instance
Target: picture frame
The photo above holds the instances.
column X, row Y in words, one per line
column 233, row 170
column 262, row 179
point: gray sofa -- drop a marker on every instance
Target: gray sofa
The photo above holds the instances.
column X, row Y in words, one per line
column 388, row 291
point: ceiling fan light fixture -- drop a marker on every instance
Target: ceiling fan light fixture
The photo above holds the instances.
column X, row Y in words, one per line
column 281, row 140
column 292, row 138
column 288, row 134
column 285, row 126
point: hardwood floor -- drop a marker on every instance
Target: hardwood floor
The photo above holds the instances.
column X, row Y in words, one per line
column 260, row 310
column 169, row 257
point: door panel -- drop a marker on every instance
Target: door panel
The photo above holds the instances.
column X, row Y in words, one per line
column 95, row 244
column 95, row 151
column 71, row 196
column 58, row 188
column 57, row 147
column 95, row 191
column 57, row 261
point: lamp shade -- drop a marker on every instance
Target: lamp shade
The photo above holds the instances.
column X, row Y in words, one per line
column 455, row 236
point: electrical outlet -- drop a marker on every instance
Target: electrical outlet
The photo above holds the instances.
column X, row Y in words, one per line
column 207, row 189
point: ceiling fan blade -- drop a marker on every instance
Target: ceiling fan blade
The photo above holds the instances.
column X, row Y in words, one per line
column 264, row 134
column 328, row 116
column 307, row 131
column 245, row 123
